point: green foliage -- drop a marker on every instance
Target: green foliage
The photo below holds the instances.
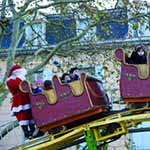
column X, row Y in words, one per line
column 97, row 16
column 90, row 70
column 2, row 88
column 127, row 145
column 135, row 26
column 3, row 92
column 105, row 147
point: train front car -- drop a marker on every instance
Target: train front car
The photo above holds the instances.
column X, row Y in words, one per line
column 68, row 103
column 134, row 81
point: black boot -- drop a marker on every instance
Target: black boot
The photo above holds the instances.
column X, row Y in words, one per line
column 26, row 131
column 32, row 128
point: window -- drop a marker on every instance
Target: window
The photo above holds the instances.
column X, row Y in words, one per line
column 60, row 28
column 112, row 24
column 35, row 35
column 7, row 37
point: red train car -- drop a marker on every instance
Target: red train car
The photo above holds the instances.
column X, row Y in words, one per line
column 67, row 103
column 134, row 80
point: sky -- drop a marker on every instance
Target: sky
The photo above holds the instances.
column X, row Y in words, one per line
column 109, row 4
column 101, row 4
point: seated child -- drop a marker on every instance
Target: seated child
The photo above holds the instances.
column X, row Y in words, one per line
column 51, row 95
column 74, row 73
column 138, row 56
column 66, row 78
column 37, row 87
column 47, row 85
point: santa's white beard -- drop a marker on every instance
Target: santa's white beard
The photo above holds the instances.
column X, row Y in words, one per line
column 20, row 73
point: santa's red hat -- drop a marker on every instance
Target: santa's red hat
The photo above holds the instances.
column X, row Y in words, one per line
column 13, row 68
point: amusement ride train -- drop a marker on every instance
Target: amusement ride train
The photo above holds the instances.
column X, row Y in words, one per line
column 81, row 105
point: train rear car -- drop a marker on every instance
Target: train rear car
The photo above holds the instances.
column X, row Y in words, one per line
column 134, row 80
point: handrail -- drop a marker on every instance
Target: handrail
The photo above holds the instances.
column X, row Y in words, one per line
column 7, row 128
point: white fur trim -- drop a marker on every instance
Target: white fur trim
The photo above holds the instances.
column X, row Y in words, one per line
column 18, row 73
column 26, row 122
column 21, row 107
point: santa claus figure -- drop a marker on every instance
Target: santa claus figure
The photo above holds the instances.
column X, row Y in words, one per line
column 21, row 107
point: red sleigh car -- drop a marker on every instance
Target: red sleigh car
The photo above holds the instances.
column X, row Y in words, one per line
column 67, row 102
column 134, row 80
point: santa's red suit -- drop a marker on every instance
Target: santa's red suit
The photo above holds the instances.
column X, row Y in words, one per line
column 21, row 107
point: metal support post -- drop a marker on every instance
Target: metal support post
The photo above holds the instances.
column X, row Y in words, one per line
column 90, row 140
column 105, row 147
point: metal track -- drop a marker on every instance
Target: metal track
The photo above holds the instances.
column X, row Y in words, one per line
column 104, row 130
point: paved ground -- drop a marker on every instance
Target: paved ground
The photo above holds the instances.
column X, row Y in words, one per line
column 14, row 137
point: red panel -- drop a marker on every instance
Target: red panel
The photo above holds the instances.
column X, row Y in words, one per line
column 97, row 93
column 73, row 118
column 131, row 85
column 143, row 99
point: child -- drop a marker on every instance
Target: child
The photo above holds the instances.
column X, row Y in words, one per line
column 51, row 95
column 66, row 78
column 74, row 73
column 138, row 56
column 38, row 86
column 47, row 85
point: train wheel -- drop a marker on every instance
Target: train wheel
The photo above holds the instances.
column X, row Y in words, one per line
column 57, row 130
column 138, row 105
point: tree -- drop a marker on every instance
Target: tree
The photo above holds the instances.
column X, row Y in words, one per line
column 12, row 14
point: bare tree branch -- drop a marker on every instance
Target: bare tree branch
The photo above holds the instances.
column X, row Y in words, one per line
column 57, row 48
column 3, row 9
column 23, row 12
